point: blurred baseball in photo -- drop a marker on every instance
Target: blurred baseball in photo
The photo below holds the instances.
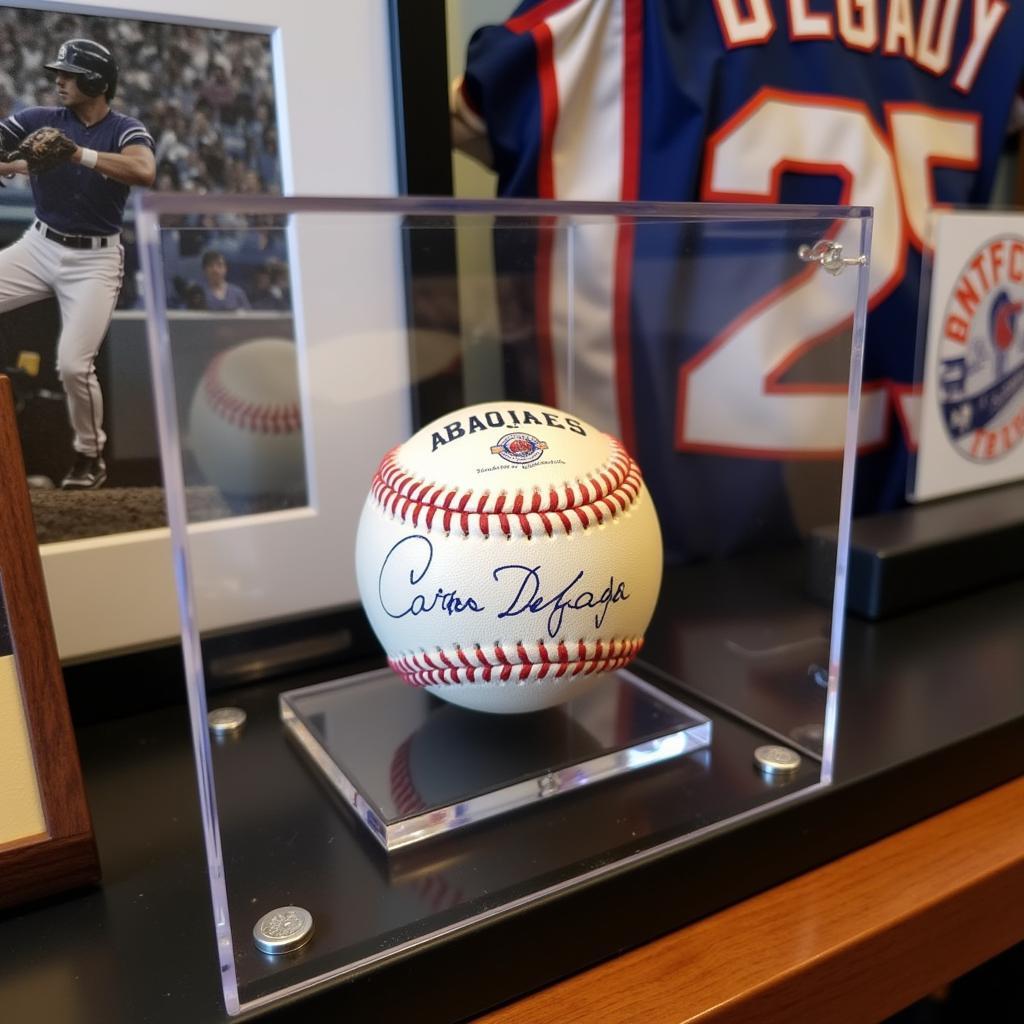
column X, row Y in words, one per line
column 245, row 424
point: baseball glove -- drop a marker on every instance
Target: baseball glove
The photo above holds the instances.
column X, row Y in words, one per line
column 42, row 150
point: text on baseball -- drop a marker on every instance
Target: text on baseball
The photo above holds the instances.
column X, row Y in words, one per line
column 507, row 418
column 404, row 589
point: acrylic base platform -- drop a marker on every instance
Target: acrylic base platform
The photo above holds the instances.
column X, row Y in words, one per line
column 413, row 767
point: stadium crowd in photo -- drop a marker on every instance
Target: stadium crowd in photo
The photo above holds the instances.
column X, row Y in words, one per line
column 207, row 97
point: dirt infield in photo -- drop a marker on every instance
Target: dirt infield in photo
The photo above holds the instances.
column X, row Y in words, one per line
column 73, row 515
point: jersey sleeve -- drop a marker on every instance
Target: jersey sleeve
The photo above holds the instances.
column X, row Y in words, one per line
column 15, row 127
column 133, row 133
column 499, row 94
column 554, row 86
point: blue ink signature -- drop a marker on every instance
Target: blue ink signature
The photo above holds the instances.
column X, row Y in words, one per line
column 413, row 556
column 420, row 552
column 529, row 598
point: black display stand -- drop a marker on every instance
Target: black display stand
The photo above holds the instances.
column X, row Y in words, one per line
column 924, row 554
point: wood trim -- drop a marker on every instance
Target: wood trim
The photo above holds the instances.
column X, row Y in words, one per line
column 855, row 940
column 48, row 866
column 67, row 855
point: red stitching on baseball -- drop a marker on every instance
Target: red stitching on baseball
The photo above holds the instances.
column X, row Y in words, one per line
column 504, row 663
column 258, row 419
column 609, row 477
column 608, row 492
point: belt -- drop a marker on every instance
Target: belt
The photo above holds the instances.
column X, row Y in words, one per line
column 75, row 241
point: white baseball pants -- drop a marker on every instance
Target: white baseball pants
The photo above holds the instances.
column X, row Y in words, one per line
column 86, row 283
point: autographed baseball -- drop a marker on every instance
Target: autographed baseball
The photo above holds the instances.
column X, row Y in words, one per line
column 507, row 555
column 245, row 428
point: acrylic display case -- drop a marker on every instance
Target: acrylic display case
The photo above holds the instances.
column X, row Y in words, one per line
column 353, row 820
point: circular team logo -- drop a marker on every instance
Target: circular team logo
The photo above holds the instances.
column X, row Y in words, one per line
column 981, row 353
column 519, row 448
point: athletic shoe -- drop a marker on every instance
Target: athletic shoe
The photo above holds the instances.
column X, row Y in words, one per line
column 88, row 473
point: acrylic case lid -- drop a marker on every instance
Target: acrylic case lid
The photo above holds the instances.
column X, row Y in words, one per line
column 349, row 817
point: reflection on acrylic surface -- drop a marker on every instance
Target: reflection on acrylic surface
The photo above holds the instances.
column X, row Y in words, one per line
column 413, row 768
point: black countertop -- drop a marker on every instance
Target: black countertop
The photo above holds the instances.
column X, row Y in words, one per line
column 932, row 712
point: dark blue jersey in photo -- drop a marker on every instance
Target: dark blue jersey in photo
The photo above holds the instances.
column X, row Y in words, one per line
column 74, row 199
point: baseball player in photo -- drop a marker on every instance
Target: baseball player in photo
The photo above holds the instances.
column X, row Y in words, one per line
column 81, row 158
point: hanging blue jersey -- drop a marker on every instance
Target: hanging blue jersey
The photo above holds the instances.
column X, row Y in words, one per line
column 899, row 105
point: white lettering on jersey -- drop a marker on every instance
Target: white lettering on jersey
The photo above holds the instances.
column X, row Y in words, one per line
column 804, row 25
column 935, row 35
column 928, row 43
column 899, row 30
column 739, row 29
column 985, row 19
column 858, row 23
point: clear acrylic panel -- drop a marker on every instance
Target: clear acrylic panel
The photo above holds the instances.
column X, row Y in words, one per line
column 705, row 360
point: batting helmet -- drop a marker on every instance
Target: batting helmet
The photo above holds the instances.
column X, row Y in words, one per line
column 93, row 64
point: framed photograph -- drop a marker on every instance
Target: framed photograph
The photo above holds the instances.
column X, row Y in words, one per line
column 46, row 838
column 109, row 576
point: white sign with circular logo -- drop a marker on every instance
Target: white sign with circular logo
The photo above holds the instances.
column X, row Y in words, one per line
column 972, row 404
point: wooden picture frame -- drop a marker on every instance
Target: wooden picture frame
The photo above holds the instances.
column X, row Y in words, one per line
column 46, row 837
